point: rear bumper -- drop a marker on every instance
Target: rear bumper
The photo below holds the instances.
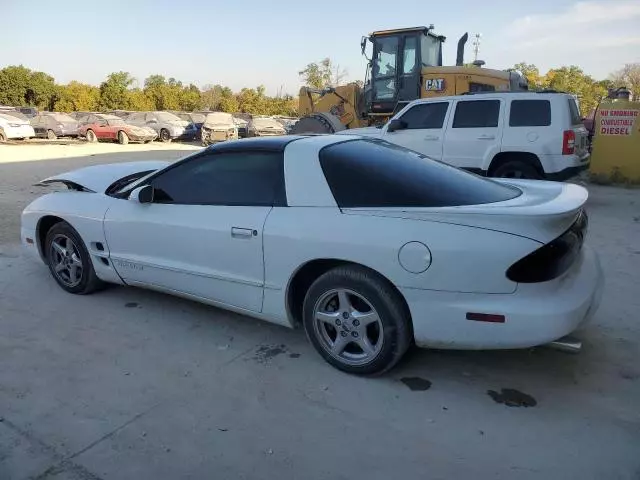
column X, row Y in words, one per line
column 567, row 173
column 534, row 315
column 23, row 131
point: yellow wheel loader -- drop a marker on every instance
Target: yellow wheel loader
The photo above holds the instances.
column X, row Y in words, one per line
column 406, row 65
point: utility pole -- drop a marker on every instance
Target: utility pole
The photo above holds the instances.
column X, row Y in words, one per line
column 476, row 46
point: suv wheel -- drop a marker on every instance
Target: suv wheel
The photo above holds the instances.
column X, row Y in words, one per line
column 517, row 169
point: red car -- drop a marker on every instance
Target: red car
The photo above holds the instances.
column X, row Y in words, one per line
column 98, row 126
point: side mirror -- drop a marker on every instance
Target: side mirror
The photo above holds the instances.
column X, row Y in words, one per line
column 396, row 124
column 142, row 194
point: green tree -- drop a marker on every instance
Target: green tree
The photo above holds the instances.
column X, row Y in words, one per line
column 573, row 80
column 114, row 92
column 190, row 98
column 317, row 74
column 21, row 86
column 628, row 76
column 77, row 96
column 139, row 100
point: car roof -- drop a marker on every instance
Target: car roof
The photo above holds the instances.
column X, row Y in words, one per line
column 277, row 144
column 484, row 95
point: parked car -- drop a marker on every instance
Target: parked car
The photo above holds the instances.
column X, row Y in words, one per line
column 370, row 246
column 11, row 126
column 197, row 118
column 264, row 126
column 515, row 135
column 99, row 126
column 218, row 127
column 167, row 125
column 53, row 125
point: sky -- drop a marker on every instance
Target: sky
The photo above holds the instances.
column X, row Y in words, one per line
column 253, row 42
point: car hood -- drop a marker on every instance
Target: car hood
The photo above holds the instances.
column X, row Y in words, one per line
column 543, row 211
column 98, row 178
column 218, row 125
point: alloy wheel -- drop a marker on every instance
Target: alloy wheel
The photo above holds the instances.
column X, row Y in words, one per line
column 348, row 327
column 66, row 261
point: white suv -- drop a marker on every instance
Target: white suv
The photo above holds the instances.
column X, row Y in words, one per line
column 516, row 135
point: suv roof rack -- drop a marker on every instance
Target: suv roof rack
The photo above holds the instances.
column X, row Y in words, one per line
column 485, row 92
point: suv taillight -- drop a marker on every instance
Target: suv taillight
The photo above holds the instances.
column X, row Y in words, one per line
column 554, row 258
column 568, row 142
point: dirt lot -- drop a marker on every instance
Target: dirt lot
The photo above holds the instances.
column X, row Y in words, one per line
column 130, row 384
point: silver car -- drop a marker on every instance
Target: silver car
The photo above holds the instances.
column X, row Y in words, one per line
column 53, row 125
column 218, row 127
column 167, row 125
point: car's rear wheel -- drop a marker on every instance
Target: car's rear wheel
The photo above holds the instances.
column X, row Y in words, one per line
column 123, row 138
column 51, row 135
column 3, row 137
column 69, row 261
column 356, row 320
column 165, row 136
column 517, row 169
column 91, row 136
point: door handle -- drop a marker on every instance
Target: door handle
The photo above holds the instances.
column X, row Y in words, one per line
column 237, row 232
column 487, row 137
column 432, row 137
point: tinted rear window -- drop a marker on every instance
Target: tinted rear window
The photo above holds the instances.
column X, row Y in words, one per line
column 574, row 112
column 374, row 173
column 530, row 113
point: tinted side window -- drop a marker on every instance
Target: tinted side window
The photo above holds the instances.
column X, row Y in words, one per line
column 426, row 115
column 239, row 178
column 530, row 113
column 477, row 114
column 375, row 173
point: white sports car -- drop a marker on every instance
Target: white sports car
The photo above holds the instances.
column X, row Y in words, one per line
column 368, row 245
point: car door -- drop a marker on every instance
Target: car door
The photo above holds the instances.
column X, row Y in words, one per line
column 423, row 128
column 202, row 233
column 36, row 123
column 151, row 120
column 101, row 129
column 474, row 133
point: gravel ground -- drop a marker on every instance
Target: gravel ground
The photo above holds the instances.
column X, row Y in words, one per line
column 131, row 384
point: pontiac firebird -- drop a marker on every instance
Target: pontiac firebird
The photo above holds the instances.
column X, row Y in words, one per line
column 369, row 246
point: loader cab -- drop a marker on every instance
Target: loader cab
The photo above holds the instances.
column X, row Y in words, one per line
column 396, row 64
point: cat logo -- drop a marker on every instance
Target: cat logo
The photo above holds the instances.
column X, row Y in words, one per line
column 434, row 84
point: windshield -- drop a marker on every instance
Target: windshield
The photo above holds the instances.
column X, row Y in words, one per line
column 266, row 123
column 63, row 118
column 115, row 121
column 167, row 117
column 384, row 67
column 198, row 117
column 16, row 115
column 220, row 118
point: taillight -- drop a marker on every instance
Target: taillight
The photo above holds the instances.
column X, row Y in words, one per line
column 553, row 259
column 568, row 142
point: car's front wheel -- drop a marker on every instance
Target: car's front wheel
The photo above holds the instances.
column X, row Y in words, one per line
column 356, row 320
column 51, row 135
column 165, row 136
column 69, row 260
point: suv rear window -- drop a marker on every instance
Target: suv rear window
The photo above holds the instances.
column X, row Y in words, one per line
column 574, row 112
column 477, row 114
column 530, row 113
column 373, row 173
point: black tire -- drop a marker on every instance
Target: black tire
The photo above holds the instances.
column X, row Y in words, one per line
column 3, row 137
column 148, row 141
column 88, row 282
column 51, row 135
column 517, row 169
column 91, row 136
column 165, row 136
column 394, row 318
column 123, row 138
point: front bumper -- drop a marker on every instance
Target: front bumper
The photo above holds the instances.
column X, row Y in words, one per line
column 213, row 136
column 142, row 137
column 535, row 313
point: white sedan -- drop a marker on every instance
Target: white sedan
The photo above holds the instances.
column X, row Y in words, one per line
column 13, row 125
column 369, row 246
